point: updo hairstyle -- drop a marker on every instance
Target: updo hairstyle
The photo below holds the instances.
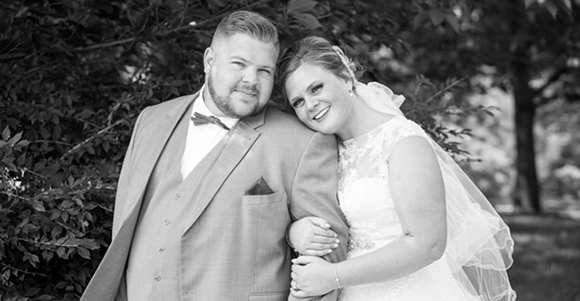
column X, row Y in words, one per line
column 317, row 51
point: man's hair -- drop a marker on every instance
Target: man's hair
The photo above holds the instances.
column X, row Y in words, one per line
column 248, row 23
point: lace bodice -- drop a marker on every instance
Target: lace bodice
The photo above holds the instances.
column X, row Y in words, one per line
column 364, row 190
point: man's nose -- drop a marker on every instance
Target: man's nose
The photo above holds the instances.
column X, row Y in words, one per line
column 250, row 76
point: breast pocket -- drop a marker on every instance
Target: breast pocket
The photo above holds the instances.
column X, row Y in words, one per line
column 256, row 200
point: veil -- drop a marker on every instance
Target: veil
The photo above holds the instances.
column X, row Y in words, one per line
column 479, row 245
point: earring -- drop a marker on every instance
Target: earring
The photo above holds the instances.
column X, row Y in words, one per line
column 350, row 93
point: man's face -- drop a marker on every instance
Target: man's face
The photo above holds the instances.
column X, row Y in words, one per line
column 239, row 75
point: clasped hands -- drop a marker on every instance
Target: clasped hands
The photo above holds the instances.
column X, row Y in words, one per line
column 312, row 275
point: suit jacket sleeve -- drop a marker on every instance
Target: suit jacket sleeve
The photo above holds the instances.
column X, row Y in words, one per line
column 314, row 192
column 124, row 178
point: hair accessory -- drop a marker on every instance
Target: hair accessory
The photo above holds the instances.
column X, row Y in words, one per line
column 344, row 61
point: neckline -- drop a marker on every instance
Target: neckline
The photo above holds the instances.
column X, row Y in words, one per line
column 372, row 131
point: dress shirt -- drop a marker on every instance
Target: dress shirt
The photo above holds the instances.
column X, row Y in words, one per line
column 201, row 139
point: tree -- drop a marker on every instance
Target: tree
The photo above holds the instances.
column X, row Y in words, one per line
column 529, row 48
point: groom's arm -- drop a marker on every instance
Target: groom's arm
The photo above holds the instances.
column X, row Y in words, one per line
column 314, row 192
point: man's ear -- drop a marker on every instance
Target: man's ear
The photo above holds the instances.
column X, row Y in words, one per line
column 208, row 57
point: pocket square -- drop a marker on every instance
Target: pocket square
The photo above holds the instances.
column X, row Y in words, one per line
column 260, row 187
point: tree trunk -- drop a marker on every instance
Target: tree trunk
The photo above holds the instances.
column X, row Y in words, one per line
column 527, row 190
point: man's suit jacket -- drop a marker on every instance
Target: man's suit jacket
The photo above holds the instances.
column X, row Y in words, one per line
column 234, row 248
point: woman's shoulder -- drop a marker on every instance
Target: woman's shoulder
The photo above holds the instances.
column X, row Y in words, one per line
column 400, row 126
column 397, row 129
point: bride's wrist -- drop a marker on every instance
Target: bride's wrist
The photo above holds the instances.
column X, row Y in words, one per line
column 336, row 276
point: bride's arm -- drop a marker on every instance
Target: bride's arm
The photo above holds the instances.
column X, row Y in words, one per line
column 419, row 196
column 312, row 236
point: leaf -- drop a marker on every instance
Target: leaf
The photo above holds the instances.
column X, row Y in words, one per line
column 22, row 143
column 567, row 3
column 307, row 20
column 33, row 259
column 452, row 21
column 6, row 134
column 56, row 231
column 437, row 17
column 552, row 8
column 84, row 253
column 37, row 205
column 300, row 5
column 527, row 3
column 420, row 19
column 15, row 139
column 61, row 252
column 5, row 276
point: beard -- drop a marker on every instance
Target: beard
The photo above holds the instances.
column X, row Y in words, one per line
column 228, row 106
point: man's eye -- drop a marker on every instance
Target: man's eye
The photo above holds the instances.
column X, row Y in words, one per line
column 298, row 103
column 239, row 64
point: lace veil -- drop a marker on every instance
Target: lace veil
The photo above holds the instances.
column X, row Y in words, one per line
column 479, row 245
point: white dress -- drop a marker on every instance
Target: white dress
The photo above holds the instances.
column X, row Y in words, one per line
column 365, row 199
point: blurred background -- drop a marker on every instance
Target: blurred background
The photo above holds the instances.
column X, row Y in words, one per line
column 496, row 83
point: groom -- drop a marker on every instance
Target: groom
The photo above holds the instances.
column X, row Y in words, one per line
column 211, row 181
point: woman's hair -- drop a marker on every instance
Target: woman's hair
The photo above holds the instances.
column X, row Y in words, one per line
column 248, row 23
column 316, row 51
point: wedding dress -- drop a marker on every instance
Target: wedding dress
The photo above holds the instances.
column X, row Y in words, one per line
column 479, row 245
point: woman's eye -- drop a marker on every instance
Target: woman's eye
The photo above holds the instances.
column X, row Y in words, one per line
column 316, row 88
column 298, row 103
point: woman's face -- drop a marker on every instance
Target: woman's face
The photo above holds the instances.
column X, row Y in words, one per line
column 320, row 99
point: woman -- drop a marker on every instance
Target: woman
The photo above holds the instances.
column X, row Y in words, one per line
column 419, row 228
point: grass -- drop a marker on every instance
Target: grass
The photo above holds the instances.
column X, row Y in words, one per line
column 546, row 257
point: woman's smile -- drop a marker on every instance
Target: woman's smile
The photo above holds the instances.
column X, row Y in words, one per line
column 320, row 115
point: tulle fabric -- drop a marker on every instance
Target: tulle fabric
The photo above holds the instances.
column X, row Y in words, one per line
column 479, row 247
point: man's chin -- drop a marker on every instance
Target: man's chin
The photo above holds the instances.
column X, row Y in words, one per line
column 246, row 108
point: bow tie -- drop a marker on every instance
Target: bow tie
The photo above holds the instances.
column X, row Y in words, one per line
column 199, row 119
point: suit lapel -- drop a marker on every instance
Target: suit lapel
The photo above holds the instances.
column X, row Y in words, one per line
column 157, row 137
column 219, row 164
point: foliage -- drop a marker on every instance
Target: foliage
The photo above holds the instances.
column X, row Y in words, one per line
column 76, row 75
column 546, row 256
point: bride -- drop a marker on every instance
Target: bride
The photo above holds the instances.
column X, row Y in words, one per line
column 419, row 228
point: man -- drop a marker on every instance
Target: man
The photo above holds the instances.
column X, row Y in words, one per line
column 203, row 204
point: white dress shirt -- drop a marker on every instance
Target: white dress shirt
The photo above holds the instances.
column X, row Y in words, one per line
column 201, row 139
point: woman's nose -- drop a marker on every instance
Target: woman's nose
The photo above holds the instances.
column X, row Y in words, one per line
column 311, row 103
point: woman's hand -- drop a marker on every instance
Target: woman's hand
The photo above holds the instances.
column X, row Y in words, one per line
column 312, row 236
column 312, row 276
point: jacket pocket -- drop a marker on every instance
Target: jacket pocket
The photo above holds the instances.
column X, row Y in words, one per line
column 277, row 296
column 264, row 199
